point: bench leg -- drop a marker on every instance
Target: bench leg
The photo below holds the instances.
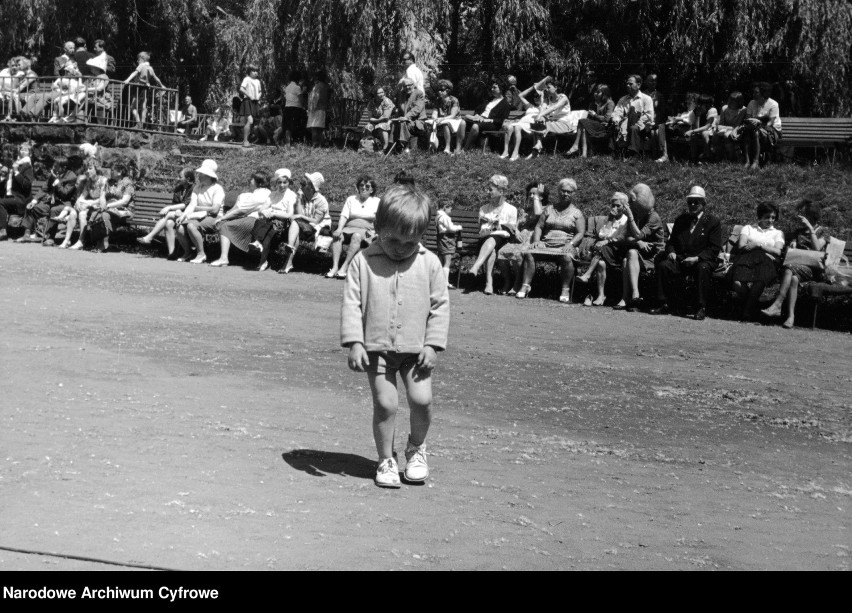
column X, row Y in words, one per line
column 813, row 319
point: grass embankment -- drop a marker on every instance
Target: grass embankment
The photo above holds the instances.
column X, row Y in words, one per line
column 732, row 192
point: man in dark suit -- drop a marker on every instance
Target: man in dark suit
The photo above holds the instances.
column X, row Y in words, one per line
column 82, row 55
column 68, row 54
column 410, row 124
column 489, row 116
column 693, row 247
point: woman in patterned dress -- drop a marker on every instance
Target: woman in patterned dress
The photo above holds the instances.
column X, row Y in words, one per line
column 556, row 237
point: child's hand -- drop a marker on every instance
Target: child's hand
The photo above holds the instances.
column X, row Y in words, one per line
column 426, row 360
column 358, row 360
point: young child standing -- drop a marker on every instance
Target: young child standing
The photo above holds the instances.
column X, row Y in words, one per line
column 447, row 233
column 395, row 318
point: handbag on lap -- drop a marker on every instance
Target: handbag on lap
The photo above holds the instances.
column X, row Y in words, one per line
column 805, row 257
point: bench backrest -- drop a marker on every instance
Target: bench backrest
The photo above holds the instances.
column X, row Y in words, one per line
column 147, row 205
column 816, row 129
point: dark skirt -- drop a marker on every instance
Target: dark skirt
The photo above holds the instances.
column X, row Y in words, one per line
column 614, row 254
column 755, row 266
column 238, row 231
column 295, row 119
column 595, row 128
column 498, row 240
column 263, row 228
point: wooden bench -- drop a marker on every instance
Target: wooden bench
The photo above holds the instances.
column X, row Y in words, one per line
column 825, row 133
column 356, row 130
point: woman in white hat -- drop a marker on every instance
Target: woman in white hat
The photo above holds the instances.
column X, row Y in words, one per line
column 236, row 225
column 96, row 89
column 311, row 216
column 274, row 219
column 199, row 217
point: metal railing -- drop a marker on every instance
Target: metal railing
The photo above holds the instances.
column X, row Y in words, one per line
column 97, row 102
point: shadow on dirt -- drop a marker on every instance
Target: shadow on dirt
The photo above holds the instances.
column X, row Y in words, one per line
column 323, row 463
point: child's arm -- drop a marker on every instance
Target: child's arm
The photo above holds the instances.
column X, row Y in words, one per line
column 438, row 322
column 351, row 319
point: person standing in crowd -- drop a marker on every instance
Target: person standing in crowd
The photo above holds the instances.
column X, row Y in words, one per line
column 295, row 118
column 657, row 97
column 692, row 249
column 67, row 55
column 413, row 73
column 633, row 116
column 395, row 318
column 190, row 116
column 82, row 56
column 141, row 78
column 317, row 108
column 250, row 91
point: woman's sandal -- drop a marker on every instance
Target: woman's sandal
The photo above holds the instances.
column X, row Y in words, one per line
column 525, row 290
column 340, row 275
column 330, row 274
column 565, row 298
column 285, row 271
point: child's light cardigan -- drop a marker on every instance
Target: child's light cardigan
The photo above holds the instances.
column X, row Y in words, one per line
column 400, row 306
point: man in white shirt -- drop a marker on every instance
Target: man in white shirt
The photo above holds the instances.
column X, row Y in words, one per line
column 633, row 116
column 413, row 72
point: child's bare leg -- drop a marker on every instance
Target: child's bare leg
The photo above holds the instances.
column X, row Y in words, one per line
column 518, row 134
column 418, row 388
column 385, row 407
column 446, row 260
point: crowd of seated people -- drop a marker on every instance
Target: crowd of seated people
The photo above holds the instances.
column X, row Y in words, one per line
column 93, row 200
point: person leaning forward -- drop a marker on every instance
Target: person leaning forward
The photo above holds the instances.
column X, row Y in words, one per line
column 410, row 124
column 691, row 251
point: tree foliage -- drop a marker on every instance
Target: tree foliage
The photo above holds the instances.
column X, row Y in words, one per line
column 203, row 46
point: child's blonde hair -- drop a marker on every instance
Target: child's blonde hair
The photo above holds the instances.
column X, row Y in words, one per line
column 404, row 209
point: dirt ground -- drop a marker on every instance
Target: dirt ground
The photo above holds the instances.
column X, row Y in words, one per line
column 171, row 415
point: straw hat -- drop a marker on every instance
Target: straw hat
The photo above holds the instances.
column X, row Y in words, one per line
column 209, row 168
column 316, row 179
column 696, row 192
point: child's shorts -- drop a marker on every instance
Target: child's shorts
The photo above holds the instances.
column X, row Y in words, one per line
column 446, row 244
column 382, row 362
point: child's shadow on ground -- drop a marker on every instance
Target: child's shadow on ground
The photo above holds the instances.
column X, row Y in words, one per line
column 323, row 463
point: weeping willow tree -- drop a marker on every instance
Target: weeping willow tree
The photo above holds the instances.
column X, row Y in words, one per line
column 203, row 46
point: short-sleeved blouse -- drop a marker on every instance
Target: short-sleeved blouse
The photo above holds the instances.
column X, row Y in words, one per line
column 768, row 238
column 353, row 208
column 492, row 218
column 212, row 196
column 282, row 202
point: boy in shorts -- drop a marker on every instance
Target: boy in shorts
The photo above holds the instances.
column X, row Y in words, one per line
column 395, row 318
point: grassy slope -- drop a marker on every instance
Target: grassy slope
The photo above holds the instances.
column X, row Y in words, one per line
column 732, row 192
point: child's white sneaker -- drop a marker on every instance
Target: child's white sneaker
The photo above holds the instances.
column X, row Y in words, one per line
column 416, row 468
column 387, row 474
